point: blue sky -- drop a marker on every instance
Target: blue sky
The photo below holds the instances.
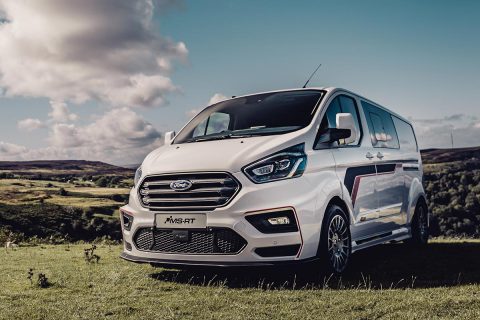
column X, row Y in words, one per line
column 419, row 58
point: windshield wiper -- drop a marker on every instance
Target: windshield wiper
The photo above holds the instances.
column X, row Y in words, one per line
column 243, row 133
column 220, row 137
column 203, row 138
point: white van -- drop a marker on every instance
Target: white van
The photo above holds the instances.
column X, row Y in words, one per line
column 278, row 177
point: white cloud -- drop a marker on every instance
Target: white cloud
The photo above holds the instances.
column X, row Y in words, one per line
column 65, row 136
column 119, row 136
column 70, row 50
column 60, row 112
column 121, row 129
column 8, row 150
column 30, row 124
column 437, row 132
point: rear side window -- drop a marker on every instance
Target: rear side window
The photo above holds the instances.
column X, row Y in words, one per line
column 406, row 136
column 380, row 124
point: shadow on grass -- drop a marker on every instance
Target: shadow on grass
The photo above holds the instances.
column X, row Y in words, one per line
column 386, row 266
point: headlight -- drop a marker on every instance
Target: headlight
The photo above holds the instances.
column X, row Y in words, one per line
column 138, row 175
column 288, row 163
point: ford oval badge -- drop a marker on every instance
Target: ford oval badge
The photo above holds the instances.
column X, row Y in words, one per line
column 180, row 185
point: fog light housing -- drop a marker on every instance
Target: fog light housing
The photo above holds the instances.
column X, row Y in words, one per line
column 127, row 220
column 274, row 221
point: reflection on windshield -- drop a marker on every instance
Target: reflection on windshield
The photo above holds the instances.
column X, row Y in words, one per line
column 261, row 114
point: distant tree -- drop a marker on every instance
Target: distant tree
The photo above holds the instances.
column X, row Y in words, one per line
column 63, row 192
column 102, row 182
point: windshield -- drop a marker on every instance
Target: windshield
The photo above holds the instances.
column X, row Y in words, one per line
column 260, row 114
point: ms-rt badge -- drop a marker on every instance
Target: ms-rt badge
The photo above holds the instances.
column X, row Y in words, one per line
column 181, row 221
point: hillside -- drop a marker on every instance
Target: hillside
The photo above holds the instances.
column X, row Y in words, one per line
column 78, row 199
column 430, row 156
column 452, row 184
column 58, row 200
column 62, row 168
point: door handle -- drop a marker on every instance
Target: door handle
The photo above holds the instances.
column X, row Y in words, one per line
column 369, row 155
column 379, row 155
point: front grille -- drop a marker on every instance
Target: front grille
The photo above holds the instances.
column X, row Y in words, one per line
column 208, row 190
column 213, row 241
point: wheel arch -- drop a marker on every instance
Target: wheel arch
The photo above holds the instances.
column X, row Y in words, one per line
column 336, row 200
column 416, row 195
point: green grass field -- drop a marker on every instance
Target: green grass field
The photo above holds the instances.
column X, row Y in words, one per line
column 388, row 282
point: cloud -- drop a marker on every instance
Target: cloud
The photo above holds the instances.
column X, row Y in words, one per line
column 119, row 136
column 437, row 132
column 121, row 129
column 9, row 149
column 30, row 124
column 70, row 50
column 60, row 112
column 65, row 136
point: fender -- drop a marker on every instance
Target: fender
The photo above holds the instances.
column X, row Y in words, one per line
column 416, row 191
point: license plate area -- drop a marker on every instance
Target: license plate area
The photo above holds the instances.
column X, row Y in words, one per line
column 181, row 221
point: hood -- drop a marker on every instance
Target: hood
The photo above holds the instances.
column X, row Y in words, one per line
column 217, row 155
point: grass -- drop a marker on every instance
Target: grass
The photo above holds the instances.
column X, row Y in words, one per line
column 81, row 202
column 388, row 282
column 83, row 195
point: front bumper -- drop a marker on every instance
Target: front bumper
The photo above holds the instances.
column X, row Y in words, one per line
column 296, row 193
column 226, row 264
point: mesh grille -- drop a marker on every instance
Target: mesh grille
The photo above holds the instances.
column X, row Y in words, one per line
column 207, row 191
column 215, row 241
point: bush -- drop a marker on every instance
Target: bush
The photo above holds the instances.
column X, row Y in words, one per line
column 63, row 192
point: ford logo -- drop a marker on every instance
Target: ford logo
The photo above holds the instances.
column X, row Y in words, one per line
column 180, row 185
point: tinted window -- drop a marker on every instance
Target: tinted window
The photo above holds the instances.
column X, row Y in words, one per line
column 348, row 105
column 331, row 113
column 380, row 124
column 406, row 136
column 341, row 104
column 261, row 114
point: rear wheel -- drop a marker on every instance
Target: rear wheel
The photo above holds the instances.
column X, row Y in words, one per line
column 335, row 244
column 419, row 225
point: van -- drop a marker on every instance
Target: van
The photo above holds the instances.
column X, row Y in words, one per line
column 290, row 176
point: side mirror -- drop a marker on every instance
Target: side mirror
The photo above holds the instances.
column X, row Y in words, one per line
column 333, row 134
column 169, row 137
column 345, row 121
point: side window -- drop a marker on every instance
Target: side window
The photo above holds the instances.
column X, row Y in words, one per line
column 348, row 105
column 217, row 122
column 378, row 134
column 406, row 136
column 380, row 124
column 341, row 104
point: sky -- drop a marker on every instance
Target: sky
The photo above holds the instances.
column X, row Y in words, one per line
column 105, row 79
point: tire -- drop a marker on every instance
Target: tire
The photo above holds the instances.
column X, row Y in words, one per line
column 335, row 241
column 419, row 225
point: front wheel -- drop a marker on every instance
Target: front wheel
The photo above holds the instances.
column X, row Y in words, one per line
column 335, row 243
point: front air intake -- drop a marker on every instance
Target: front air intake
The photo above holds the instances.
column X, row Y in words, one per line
column 211, row 241
column 188, row 191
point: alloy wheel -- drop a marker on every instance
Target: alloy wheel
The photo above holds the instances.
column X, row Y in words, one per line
column 338, row 243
